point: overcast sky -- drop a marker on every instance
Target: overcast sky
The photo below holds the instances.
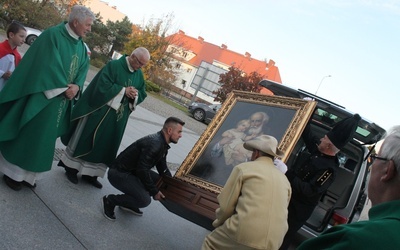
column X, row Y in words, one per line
column 356, row 42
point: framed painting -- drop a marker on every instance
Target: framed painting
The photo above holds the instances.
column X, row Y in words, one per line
column 242, row 117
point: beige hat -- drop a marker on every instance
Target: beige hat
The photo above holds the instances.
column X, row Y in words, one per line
column 264, row 143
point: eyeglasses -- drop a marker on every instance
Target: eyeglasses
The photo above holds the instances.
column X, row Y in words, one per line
column 139, row 62
column 373, row 157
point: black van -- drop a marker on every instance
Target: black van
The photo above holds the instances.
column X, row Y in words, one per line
column 346, row 197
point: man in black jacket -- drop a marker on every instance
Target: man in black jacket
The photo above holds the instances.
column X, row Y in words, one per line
column 314, row 172
column 131, row 171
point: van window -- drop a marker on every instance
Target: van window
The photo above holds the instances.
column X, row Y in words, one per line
column 328, row 118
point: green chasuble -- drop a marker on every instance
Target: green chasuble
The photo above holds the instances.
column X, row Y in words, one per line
column 29, row 122
column 105, row 126
column 381, row 231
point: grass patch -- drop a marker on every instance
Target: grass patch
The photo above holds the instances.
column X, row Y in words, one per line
column 168, row 101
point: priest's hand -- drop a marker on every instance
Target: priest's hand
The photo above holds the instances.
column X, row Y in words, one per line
column 71, row 92
column 131, row 92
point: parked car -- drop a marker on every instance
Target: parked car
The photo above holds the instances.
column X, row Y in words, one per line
column 203, row 112
column 346, row 197
column 31, row 35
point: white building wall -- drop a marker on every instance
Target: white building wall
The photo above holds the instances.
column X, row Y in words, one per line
column 187, row 73
column 107, row 12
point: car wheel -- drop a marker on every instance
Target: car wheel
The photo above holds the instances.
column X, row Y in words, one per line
column 198, row 115
column 30, row 40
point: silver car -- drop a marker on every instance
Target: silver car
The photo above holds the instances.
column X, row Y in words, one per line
column 31, row 35
column 203, row 112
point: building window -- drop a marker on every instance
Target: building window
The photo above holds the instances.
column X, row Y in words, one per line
column 183, row 83
column 178, row 66
column 189, row 70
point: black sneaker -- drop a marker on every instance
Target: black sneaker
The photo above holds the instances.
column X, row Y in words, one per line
column 14, row 185
column 108, row 209
column 134, row 210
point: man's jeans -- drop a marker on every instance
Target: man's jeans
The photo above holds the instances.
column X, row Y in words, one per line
column 135, row 194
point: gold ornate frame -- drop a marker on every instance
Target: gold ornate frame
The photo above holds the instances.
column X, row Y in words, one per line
column 296, row 113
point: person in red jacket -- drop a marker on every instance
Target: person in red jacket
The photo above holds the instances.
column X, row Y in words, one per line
column 9, row 55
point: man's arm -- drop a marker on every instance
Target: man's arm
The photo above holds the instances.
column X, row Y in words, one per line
column 228, row 197
column 149, row 156
column 318, row 183
column 162, row 167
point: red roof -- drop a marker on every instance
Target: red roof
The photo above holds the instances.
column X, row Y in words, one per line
column 209, row 52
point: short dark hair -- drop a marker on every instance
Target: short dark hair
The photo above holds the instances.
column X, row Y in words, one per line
column 14, row 27
column 173, row 120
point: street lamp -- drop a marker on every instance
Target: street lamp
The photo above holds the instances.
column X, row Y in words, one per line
column 321, row 83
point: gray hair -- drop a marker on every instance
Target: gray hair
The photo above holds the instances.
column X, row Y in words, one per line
column 142, row 51
column 80, row 13
column 390, row 148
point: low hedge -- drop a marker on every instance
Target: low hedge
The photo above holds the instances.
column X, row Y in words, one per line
column 152, row 87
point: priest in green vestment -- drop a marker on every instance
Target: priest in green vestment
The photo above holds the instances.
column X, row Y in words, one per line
column 100, row 116
column 36, row 103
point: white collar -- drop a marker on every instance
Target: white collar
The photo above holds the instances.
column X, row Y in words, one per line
column 129, row 66
column 71, row 32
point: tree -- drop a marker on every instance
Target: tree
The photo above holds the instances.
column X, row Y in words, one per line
column 105, row 38
column 236, row 79
column 98, row 42
column 153, row 35
column 118, row 34
column 37, row 14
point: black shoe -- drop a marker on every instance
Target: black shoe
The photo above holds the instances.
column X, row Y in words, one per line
column 61, row 164
column 108, row 209
column 14, row 185
column 92, row 180
column 134, row 210
column 71, row 175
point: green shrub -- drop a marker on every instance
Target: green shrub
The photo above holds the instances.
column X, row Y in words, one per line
column 152, row 87
column 97, row 62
